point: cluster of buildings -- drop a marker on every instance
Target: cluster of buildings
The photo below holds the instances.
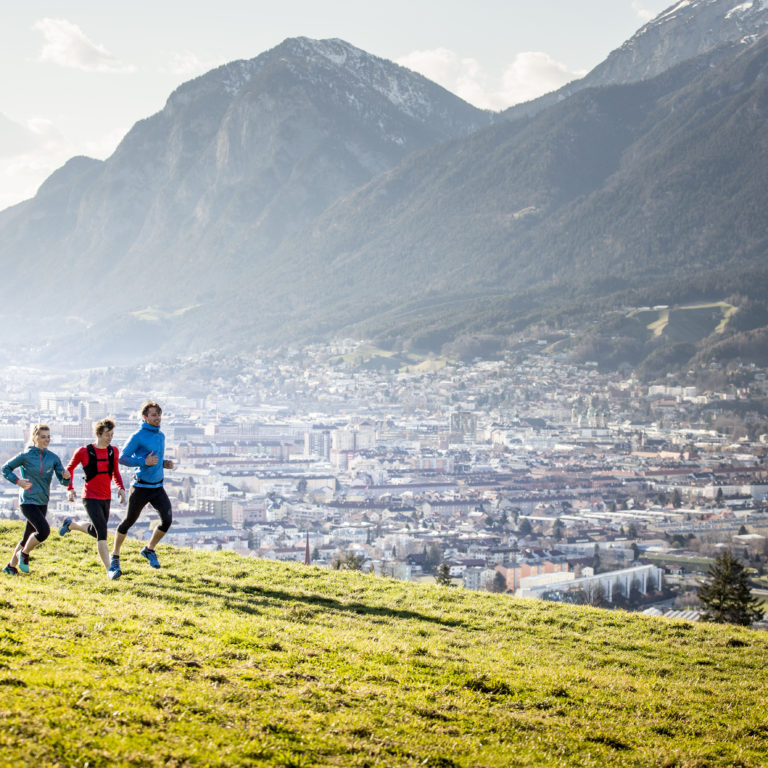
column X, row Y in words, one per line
column 526, row 475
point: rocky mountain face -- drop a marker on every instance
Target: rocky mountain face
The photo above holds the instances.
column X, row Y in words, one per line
column 195, row 196
column 685, row 30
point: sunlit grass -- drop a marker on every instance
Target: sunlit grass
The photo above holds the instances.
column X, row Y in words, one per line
column 658, row 320
column 374, row 357
column 156, row 315
column 219, row 660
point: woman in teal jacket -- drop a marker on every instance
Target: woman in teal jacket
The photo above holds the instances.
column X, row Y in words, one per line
column 38, row 466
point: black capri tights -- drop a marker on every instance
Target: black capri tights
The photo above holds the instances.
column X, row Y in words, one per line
column 98, row 512
column 36, row 522
column 139, row 498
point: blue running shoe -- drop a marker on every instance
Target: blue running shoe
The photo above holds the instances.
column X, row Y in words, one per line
column 23, row 562
column 10, row 570
column 114, row 573
column 151, row 556
column 65, row 526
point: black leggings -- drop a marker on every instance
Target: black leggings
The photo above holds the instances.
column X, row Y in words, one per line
column 139, row 499
column 98, row 511
column 36, row 522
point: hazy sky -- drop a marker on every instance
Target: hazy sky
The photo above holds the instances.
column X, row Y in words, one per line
column 76, row 75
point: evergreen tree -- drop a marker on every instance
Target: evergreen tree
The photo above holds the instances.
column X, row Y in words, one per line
column 726, row 593
column 526, row 529
column 499, row 583
column 443, row 574
column 433, row 556
column 348, row 561
column 719, row 497
column 596, row 595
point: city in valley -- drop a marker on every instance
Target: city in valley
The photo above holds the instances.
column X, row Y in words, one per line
column 527, row 475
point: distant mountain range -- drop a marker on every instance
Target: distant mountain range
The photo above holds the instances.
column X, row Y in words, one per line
column 317, row 190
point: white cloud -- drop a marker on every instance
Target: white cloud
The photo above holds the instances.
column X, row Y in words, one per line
column 67, row 46
column 104, row 145
column 24, row 166
column 21, row 175
column 642, row 13
column 441, row 65
column 531, row 74
column 188, row 64
column 46, row 132
column 14, row 138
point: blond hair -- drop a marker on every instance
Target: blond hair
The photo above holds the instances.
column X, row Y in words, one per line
column 37, row 428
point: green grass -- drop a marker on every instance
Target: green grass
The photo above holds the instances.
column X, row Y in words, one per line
column 373, row 358
column 156, row 315
column 217, row 660
column 687, row 323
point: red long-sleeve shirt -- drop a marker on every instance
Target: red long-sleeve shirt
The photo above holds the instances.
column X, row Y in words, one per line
column 100, row 487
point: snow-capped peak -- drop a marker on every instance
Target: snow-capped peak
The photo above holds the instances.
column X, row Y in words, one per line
column 686, row 29
column 410, row 92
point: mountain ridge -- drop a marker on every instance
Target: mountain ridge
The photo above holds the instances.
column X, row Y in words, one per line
column 685, row 30
column 252, row 147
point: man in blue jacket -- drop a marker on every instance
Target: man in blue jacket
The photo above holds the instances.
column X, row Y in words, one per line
column 145, row 450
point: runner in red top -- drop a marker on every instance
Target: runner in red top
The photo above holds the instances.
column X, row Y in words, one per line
column 99, row 462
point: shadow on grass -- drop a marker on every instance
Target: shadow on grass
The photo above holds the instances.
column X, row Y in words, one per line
column 251, row 599
column 260, row 596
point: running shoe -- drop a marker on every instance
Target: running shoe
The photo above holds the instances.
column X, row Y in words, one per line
column 114, row 573
column 151, row 556
column 23, row 562
column 65, row 526
column 10, row 570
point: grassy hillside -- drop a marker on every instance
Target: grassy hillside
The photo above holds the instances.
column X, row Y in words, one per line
column 218, row 660
column 373, row 358
column 691, row 323
column 666, row 338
